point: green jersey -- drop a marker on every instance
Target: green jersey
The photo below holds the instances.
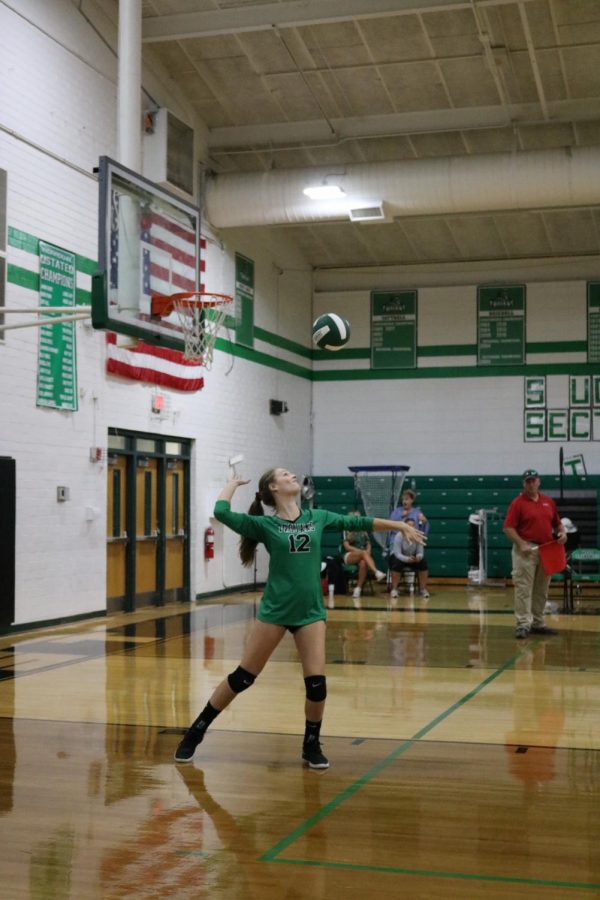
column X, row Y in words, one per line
column 293, row 594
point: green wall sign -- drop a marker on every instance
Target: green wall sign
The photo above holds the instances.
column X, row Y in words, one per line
column 501, row 325
column 244, row 300
column 393, row 329
column 593, row 322
column 57, row 360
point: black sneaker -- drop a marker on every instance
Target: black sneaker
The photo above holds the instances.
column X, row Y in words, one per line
column 542, row 629
column 313, row 756
column 521, row 632
column 187, row 747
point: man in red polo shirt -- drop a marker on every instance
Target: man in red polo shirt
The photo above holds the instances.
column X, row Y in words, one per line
column 532, row 519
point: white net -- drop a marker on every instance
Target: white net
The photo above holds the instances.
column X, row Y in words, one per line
column 379, row 489
column 200, row 323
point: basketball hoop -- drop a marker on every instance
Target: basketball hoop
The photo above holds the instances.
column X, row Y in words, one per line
column 200, row 315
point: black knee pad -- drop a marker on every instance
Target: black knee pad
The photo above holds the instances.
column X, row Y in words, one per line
column 240, row 680
column 316, row 688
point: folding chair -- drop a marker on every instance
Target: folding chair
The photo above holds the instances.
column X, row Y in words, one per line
column 585, row 569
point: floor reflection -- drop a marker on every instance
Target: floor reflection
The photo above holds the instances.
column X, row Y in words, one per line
column 91, row 804
column 538, row 719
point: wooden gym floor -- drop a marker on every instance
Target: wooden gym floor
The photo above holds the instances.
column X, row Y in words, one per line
column 464, row 763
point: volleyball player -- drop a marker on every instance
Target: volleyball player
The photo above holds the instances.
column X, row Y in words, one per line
column 292, row 600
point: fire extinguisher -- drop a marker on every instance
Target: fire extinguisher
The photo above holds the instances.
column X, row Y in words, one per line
column 209, row 543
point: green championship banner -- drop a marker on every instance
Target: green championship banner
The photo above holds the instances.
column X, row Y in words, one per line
column 501, row 325
column 244, row 300
column 593, row 322
column 393, row 329
column 57, row 361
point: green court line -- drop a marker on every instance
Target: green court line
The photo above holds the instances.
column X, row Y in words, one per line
column 464, row 876
column 305, row 826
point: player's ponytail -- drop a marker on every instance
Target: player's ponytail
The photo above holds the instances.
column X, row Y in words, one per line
column 263, row 495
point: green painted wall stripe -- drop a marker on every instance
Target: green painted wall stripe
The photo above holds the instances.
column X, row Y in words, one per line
column 23, row 277
column 262, row 358
column 23, row 241
column 18, row 275
column 423, row 351
column 390, row 758
column 464, row 876
column 353, row 353
column 83, row 297
column 441, row 350
column 31, row 280
column 456, row 372
column 557, row 347
column 285, row 344
column 30, row 244
column 85, row 265
column 27, row 279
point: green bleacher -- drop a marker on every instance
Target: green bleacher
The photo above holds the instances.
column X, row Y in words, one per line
column 447, row 501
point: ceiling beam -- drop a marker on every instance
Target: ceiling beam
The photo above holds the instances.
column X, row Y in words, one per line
column 295, row 14
column 392, row 277
column 317, row 131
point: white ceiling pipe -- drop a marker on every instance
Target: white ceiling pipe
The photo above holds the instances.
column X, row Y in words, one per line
column 460, row 184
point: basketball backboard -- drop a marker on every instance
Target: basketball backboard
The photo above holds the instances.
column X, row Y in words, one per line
column 149, row 243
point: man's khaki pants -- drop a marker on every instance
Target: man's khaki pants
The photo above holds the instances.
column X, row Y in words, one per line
column 531, row 587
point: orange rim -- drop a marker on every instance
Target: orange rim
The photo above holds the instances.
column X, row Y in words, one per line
column 162, row 305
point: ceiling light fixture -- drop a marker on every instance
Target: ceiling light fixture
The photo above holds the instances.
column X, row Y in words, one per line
column 324, row 192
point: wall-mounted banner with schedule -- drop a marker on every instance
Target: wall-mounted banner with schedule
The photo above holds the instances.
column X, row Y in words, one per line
column 57, row 358
column 501, row 325
column 593, row 322
column 244, row 300
column 393, row 329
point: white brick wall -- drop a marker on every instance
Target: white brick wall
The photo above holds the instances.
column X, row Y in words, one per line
column 442, row 425
column 58, row 115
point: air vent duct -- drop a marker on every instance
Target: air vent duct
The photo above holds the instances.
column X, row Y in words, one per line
column 368, row 214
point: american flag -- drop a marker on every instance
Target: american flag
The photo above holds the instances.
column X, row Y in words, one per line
column 154, row 365
column 170, row 258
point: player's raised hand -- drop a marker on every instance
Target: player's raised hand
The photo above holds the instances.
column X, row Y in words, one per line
column 231, row 486
column 237, row 480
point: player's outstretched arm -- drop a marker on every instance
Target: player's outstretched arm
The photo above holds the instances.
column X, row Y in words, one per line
column 413, row 534
column 231, row 487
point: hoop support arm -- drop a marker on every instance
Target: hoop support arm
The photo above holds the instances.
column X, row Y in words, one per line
column 74, row 310
column 39, row 322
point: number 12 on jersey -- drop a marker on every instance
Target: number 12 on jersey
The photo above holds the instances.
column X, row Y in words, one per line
column 299, row 543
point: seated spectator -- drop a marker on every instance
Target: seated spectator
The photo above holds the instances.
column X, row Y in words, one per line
column 407, row 557
column 357, row 552
column 414, row 515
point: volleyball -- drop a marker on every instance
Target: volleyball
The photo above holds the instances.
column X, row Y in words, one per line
column 330, row 331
